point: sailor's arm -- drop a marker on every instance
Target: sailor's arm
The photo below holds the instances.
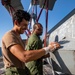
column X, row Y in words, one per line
column 26, row 56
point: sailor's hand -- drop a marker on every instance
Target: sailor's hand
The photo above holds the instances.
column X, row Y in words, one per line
column 53, row 46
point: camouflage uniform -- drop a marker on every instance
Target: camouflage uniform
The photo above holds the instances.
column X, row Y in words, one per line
column 35, row 67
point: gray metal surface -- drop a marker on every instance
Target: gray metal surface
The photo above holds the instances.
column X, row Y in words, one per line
column 63, row 60
column 16, row 4
column 50, row 4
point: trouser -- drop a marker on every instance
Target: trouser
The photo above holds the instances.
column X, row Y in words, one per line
column 16, row 71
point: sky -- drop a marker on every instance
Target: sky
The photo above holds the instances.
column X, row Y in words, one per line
column 60, row 10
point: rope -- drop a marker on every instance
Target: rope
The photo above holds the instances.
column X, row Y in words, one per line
column 46, row 24
column 40, row 11
column 11, row 10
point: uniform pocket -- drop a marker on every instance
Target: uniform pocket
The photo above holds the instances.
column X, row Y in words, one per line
column 11, row 71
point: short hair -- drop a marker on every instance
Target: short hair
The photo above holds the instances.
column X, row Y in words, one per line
column 36, row 24
column 21, row 14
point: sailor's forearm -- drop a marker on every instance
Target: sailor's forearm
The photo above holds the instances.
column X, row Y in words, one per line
column 34, row 54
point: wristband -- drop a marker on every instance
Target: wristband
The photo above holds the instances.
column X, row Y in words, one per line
column 47, row 50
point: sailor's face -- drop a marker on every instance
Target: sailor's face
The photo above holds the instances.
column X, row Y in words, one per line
column 23, row 26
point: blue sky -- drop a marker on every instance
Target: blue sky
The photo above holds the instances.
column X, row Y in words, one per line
column 60, row 10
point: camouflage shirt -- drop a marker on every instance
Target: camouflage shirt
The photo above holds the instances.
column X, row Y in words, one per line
column 35, row 67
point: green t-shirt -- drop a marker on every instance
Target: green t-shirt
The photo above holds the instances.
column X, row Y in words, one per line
column 35, row 67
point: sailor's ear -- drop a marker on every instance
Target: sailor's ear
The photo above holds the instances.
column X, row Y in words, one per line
column 16, row 22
